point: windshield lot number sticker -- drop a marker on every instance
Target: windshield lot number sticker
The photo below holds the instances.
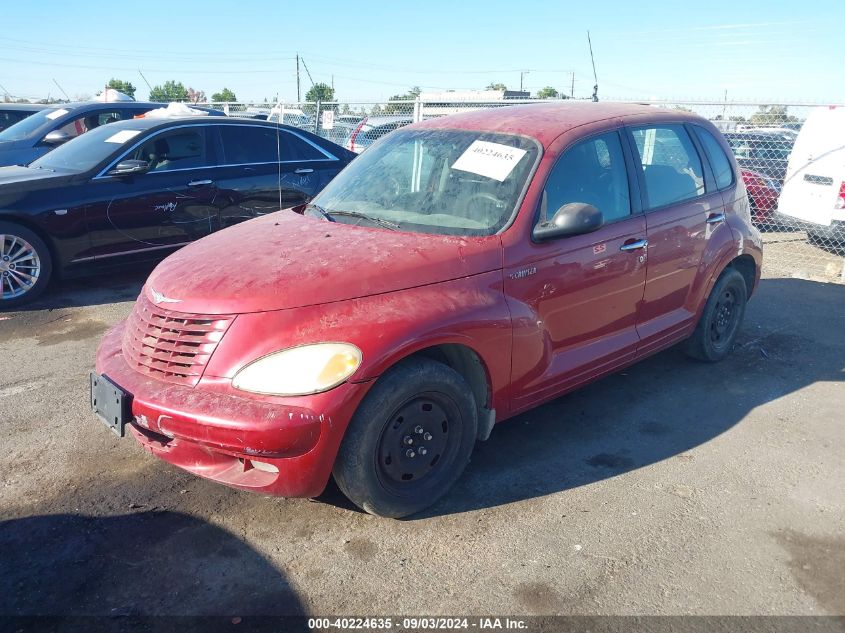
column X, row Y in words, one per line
column 492, row 160
column 123, row 136
column 57, row 113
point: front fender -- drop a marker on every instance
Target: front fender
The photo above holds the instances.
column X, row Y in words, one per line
column 387, row 328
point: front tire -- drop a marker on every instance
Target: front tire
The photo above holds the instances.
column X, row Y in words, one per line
column 716, row 332
column 25, row 265
column 409, row 441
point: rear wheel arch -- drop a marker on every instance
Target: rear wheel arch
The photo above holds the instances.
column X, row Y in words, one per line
column 747, row 267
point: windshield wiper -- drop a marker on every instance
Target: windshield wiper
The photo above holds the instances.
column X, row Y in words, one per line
column 370, row 218
column 320, row 211
column 329, row 216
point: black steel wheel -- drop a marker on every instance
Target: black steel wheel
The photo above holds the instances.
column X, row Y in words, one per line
column 409, row 440
column 716, row 332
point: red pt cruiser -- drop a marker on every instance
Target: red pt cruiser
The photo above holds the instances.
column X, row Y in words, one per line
column 460, row 271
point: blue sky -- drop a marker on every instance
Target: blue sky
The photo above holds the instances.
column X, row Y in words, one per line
column 784, row 50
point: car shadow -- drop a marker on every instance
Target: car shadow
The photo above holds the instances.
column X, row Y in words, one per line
column 662, row 407
column 134, row 565
column 120, row 285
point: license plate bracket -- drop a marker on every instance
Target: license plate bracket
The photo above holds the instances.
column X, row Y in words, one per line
column 112, row 404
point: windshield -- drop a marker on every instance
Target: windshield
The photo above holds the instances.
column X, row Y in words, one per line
column 434, row 181
column 27, row 127
column 88, row 150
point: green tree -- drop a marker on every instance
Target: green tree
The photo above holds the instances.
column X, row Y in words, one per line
column 496, row 86
column 170, row 91
column 121, row 86
column 548, row 93
column 771, row 116
column 401, row 108
column 226, row 96
column 320, row 92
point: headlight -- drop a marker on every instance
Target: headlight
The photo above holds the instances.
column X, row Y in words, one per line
column 300, row 371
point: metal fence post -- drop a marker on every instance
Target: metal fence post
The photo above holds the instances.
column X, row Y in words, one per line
column 317, row 118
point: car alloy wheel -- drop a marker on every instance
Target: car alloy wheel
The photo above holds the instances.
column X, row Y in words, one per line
column 20, row 266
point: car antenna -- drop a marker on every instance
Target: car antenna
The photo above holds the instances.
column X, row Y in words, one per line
column 279, row 151
column 62, row 89
column 595, row 79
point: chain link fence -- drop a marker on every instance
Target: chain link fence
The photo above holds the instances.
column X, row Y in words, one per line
column 804, row 238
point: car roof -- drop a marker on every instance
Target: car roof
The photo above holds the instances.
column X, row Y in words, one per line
column 25, row 107
column 149, row 124
column 383, row 119
column 547, row 121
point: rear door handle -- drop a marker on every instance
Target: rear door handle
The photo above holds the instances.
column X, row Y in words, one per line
column 200, row 183
column 634, row 246
column 715, row 218
column 304, row 170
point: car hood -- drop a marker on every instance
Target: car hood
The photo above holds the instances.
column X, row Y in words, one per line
column 15, row 181
column 286, row 260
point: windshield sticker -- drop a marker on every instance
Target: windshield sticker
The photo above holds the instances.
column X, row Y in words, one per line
column 122, row 136
column 55, row 114
column 492, row 160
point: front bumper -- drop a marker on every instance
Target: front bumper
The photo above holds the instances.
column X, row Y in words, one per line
column 275, row 446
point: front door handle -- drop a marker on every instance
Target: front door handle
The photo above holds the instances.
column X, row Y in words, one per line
column 304, row 170
column 634, row 246
column 715, row 218
column 200, row 183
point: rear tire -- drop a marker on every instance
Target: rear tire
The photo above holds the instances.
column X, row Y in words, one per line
column 715, row 334
column 409, row 441
column 25, row 265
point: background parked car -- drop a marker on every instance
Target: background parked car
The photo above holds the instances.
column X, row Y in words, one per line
column 11, row 113
column 39, row 133
column 139, row 188
column 763, row 193
column 765, row 153
column 372, row 128
column 813, row 196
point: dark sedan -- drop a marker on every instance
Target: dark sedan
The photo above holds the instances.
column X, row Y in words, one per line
column 34, row 136
column 11, row 113
column 141, row 188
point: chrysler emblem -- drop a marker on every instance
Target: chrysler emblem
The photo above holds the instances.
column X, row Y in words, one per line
column 160, row 298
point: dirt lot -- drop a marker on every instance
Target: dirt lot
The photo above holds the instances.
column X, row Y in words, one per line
column 674, row 487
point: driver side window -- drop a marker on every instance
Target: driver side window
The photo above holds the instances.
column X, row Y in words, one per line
column 179, row 149
column 591, row 171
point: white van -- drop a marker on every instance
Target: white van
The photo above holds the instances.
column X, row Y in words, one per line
column 813, row 194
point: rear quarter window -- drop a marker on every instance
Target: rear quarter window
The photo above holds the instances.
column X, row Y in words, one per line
column 716, row 155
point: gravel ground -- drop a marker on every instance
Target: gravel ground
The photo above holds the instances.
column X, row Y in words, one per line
column 672, row 488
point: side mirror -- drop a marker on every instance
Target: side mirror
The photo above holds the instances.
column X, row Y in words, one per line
column 56, row 137
column 574, row 218
column 129, row 168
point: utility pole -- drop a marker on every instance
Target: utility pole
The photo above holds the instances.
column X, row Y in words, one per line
column 522, row 73
column 572, row 88
column 297, row 78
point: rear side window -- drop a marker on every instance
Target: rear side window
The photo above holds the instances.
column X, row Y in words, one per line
column 716, row 155
column 295, row 148
column 244, row 144
column 671, row 166
column 591, row 171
